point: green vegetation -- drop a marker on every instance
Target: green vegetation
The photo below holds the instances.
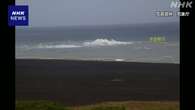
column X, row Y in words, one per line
column 128, row 105
column 38, row 105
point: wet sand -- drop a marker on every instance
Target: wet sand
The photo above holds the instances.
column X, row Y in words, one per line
column 86, row 82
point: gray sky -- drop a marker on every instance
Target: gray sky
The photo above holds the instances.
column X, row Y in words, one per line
column 94, row 12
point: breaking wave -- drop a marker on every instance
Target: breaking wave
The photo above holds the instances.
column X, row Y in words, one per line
column 93, row 43
column 105, row 42
column 57, row 46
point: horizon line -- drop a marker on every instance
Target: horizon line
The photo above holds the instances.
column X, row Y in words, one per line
column 98, row 25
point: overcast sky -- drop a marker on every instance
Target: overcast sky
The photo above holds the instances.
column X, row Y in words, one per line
column 94, row 12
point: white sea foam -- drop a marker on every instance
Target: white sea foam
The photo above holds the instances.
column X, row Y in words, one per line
column 105, row 42
column 93, row 43
column 57, row 46
column 119, row 59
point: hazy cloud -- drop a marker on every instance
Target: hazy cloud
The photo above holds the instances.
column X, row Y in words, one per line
column 95, row 12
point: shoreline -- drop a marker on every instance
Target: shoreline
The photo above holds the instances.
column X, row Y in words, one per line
column 76, row 82
column 96, row 60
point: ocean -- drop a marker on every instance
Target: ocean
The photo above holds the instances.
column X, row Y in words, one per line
column 130, row 42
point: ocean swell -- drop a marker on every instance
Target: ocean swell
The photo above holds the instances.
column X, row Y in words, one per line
column 92, row 43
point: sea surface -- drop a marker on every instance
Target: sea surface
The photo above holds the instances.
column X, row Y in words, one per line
column 109, row 43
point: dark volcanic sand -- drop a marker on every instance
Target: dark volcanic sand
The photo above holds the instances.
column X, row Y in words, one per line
column 85, row 82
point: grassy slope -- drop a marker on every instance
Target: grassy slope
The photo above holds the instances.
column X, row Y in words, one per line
column 128, row 105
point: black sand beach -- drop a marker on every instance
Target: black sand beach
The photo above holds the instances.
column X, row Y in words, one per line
column 86, row 82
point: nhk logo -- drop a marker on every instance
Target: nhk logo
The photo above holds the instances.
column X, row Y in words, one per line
column 181, row 4
column 18, row 15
